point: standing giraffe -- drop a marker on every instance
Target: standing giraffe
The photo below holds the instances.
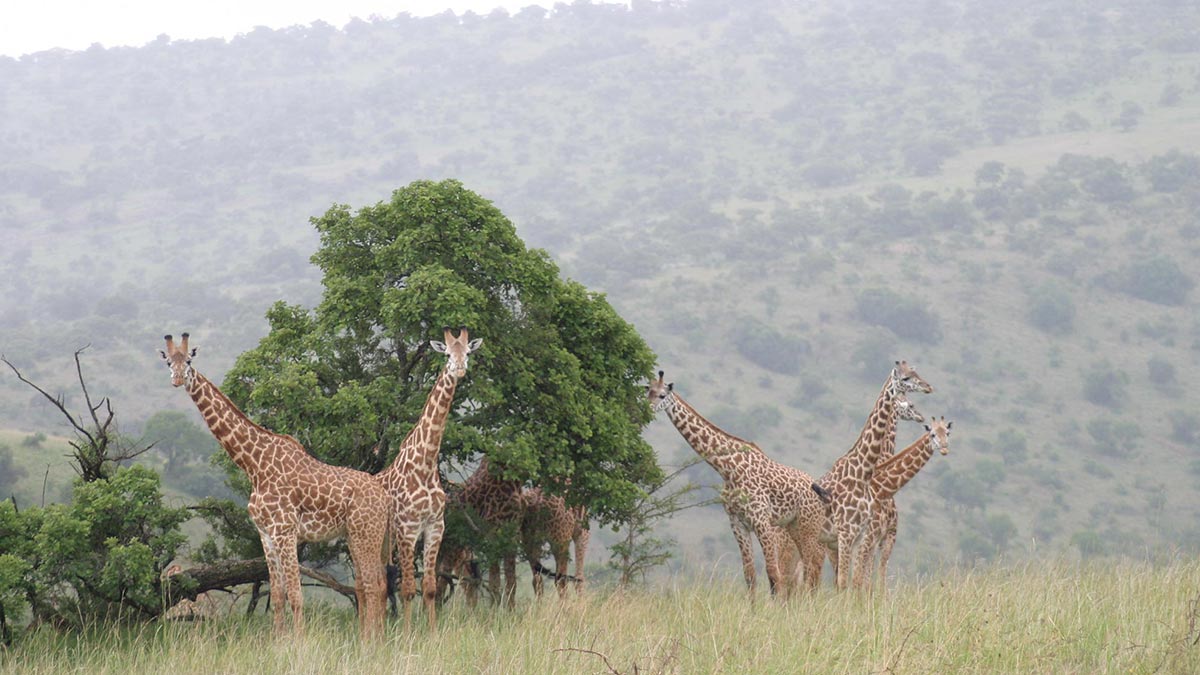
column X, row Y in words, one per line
column 499, row 502
column 548, row 519
column 905, row 410
column 418, row 501
column 849, row 480
column 762, row 497
column 294, row 497
column 889, row 477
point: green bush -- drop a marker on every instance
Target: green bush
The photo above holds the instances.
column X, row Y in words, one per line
column 10, row 473
column 1103, row 385
column 1051, row 309
column 1115, row 438
column 1161, row 373
column 764, row 346
column 905, row 316
column 1159, row 280
column 1185, row 427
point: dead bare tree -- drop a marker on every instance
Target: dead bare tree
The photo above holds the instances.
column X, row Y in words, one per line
column 97, row 446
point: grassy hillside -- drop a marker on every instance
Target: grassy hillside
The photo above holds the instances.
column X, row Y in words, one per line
column 38, row 465
column 1047, row 618
column 783, row 197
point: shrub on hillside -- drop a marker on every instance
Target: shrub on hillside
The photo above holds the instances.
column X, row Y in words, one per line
column 905, row 316
column 872, row 355
column 1159, row 280
column 1172, row 171
column 768, row 348
column 1103, row 384
column 1051, row 309
column 1161, row 373
column 1185, row 427
column 10, row 473
column 1115, row 438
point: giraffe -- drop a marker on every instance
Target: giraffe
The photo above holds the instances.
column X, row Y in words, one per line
column 499, row 502
column 906, row 411
column 548, row 519
column 849, row 480
column 889, row 476
column 204, row 606
column 763, row 498
column 294, row 497
column 418, row 501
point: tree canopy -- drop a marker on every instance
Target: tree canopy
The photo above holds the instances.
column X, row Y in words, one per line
column 554, row 395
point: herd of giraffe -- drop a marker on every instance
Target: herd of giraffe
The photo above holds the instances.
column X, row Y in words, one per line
column 846, row 514
column 798, row 520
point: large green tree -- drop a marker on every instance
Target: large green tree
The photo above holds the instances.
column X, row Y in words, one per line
column 554, row 395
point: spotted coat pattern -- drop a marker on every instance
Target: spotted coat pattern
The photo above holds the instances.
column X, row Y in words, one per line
column 295, row 497
column 499, row 502
column 548, row 520
column 418, row 502
column 763, row 498
column 849, row 480
column 890, row 475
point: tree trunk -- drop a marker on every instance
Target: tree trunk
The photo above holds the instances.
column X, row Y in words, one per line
column 224, row 575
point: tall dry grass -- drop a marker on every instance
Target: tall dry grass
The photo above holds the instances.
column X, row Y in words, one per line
column 1104, row 617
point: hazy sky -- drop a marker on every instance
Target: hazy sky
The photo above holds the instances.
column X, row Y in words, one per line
column 28, row 26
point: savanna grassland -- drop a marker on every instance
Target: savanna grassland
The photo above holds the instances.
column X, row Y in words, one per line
column 1051, row 617
column 782, row 197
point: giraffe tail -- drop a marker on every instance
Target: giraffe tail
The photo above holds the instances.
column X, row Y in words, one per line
column 822, row 493
column 540, row 569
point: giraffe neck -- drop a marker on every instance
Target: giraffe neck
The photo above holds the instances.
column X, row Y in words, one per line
column 878, row 435
column 241, row 438
column 895, row 473
column 419, row 451
column 720, row 449
column 889, row 440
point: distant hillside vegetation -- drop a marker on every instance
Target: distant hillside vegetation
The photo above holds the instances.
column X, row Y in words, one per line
column 784, row 198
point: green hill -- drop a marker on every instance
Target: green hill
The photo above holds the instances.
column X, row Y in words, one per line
column 783, row 197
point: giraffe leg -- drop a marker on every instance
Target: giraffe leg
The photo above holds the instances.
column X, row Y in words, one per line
column 494, row 580
column 769, row 543
column 290, row 566
column 406, row 545
column 562, row 559
column 366, row 539
column 885, row 552
column 582, row 537
column 533, row 553
column 277, row 586
column 812, row 556
column 742, row 534
column 433, row 542
column 864, row 564
column 510, row 580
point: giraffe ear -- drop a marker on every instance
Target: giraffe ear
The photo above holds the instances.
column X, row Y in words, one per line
column 928, row 428
column 164, row 354
column 474, row 344
column 670, row 386
column 439, row 347
column 193, row 353
column 948, row 425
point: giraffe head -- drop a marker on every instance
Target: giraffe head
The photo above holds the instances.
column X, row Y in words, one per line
column 905, row 410
column 660, row 394
column 939, row 434
column 905, row 379
column 456, row 350
column 179, row 360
